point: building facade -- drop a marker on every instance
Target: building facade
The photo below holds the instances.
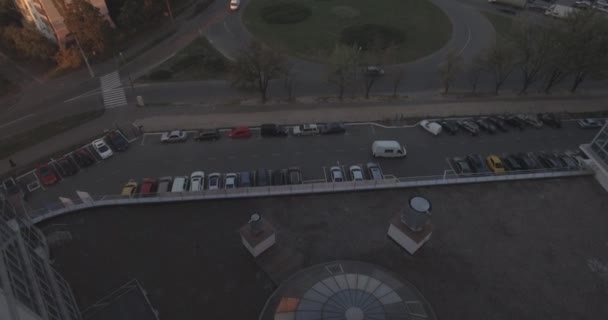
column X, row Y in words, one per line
column 30, row 288
column 45, row 16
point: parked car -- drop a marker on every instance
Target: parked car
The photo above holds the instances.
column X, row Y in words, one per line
column 356, row 173
column 461, row 166
column 513, row 122
column 197, row 181
column 549, row 161
column 83, row 157
column 294, row 175
column 449, row 127
column 469, row 126
column 66, row 167
column 590, row 123
column 148, row 187
column 375, row 172
column 244, row 179
column 511, row 164
column 336, row 174
column 477, row 163
column 117, row 141
column 373, row 71
column 433, row 127
column 174, row 136
column 11, row 186
column 165, row 184
column 550, row 119
column 333, row 128
column 261, row 178
column 526, row 161
column 495, row 164
column 273, row 130
column 102, row 149
column 306, row 130
column 235, row 5
column 207, row 135
column 129, row 188
column 47, row 175
column 239, row 133
column 180, row 184
column 486, row 126
column 278, row 177
column 498, row 123
column 531, row 120
column 230, row 181
column 214, row 181
column 568, row 161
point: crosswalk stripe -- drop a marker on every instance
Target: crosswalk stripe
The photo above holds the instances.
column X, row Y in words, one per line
column 112, row 92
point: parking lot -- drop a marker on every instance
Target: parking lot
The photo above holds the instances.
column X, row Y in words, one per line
column 509, row 250
column 314, row 155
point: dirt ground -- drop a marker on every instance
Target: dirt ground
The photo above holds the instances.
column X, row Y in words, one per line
column 516, row 250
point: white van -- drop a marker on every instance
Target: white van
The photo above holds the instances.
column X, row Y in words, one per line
column 180, row 184
column 388, row 149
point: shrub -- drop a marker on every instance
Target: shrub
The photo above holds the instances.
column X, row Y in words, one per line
column 372, row 36
column 160, row 75
column 285, row 13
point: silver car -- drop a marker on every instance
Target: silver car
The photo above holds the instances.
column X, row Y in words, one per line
column 336, row 174
column 174, row 136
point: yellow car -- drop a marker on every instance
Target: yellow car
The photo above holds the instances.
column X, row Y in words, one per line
column 129, row 188
column 495, row 164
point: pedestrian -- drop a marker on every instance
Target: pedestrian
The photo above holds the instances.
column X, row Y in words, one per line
column 12, row 163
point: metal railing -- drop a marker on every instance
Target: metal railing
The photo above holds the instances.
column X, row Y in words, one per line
column 56, row 209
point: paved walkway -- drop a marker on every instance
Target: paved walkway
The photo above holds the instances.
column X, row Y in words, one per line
column 158, row 119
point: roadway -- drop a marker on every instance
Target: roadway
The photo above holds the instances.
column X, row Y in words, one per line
column 427, row 155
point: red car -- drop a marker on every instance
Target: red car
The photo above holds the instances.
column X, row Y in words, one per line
column 148, row 187
column 47, row 175
column 239, row 132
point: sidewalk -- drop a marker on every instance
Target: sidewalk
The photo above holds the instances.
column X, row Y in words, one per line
column 293, row 115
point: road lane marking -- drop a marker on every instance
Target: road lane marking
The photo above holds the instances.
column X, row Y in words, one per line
column 468, row 40
column 17, row 120
column 276, row 154
column 325, row 174
column 143, row 139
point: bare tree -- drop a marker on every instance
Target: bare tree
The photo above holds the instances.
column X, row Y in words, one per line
column 344, row 64
column 588, row 41
column 289, row 83
column 449, row 69
column 531, row 44
column 474, row 71
column 499, row 61
column 257, row 65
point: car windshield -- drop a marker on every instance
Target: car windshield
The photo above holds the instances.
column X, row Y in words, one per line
column 213, row 180
column 102, row 148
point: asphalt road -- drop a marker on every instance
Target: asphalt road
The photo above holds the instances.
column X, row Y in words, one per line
column 427, row 155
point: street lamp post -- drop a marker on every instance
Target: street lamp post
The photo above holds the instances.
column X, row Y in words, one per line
column 84, row 57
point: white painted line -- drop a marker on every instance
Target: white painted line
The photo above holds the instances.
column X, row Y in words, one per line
column 143, row 139
column 324, row 174
column 86, row 94
column 15, row 121
column 468, row 40
column 276, row 154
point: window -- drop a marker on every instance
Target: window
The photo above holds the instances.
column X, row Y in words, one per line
column 388, row 151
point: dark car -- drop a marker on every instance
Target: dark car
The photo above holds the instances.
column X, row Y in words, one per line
column 207, row 135
column 83, row 158
column 244, row 180
column 273, row 130
column 550, row 119
column 527, row 161
column 461, row 165
column 449, row 127
column 469, row 126
column 568, row 161
column 498, row 123
column 278, row 177
column 11, row 186
column 510, row 163
column 294, row 175
column 333, row 128
column 117, row 142
column 549, row 161
column 477, row 163
column 514, row 122
column 66, row 167
column 486, row 126
column 261, row 178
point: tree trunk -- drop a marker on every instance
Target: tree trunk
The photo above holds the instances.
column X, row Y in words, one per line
column 446, row 87
column 341, row 91
column 396, row 83
column 526, row 84
column 553, row 79
column 577, row 81
column 368, row 86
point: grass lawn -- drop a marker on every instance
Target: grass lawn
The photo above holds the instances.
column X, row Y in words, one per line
column 425, row 26
column 197, row 61
column 13, row 144
column 502, row 24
